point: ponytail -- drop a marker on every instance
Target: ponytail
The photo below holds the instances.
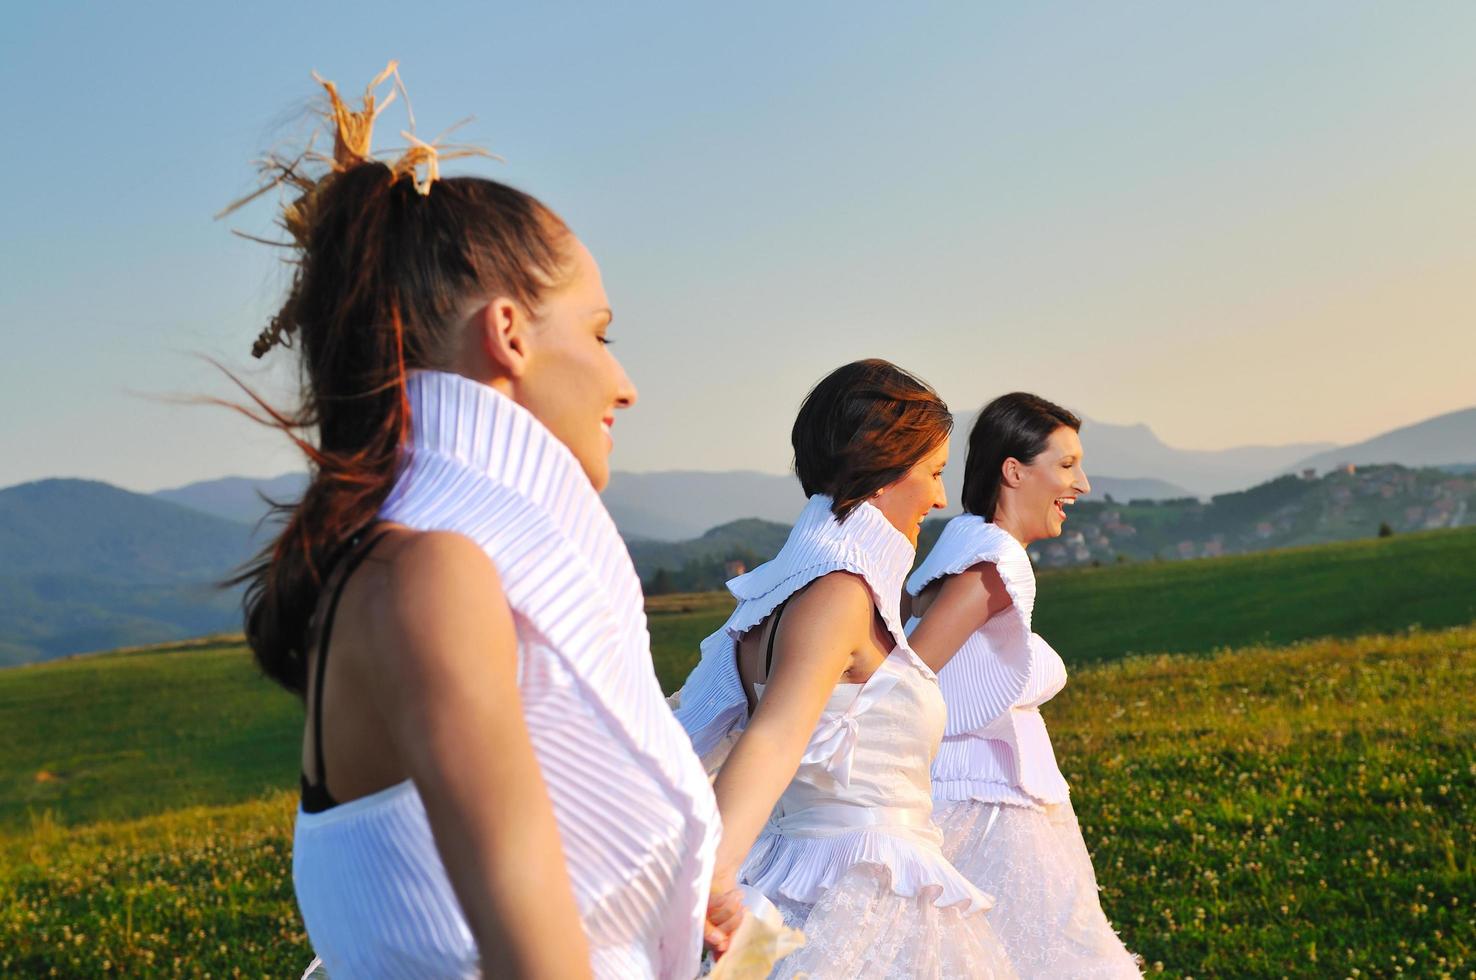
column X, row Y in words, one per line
column 384, row 271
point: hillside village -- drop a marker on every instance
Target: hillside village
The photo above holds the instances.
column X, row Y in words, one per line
column 1345, row 503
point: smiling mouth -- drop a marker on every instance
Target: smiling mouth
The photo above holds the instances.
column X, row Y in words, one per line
column 1061, row 504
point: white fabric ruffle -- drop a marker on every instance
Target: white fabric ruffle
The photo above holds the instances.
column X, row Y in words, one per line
column 981, row 687
column 998, row 679
column 712, row 702
column 1047, row 913
column 865, row 929
column 804, row 868
column 977, row 769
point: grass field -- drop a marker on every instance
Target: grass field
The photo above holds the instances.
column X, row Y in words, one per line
column 1268, row 810
column 1295, row 811
column 129, row 734
column 1347, row 589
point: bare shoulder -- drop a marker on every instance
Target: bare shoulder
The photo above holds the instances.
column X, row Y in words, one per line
column 435, row 553
column 835, row 598
column 982, row 581
column 842, row 588
column 430, row 585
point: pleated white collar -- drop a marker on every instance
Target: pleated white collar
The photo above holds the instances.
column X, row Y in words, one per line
column 865, row 543
column 481, row 465
column 712, row 703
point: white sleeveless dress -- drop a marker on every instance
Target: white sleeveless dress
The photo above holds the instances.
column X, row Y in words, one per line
column 635, row 812
column 1003, row 805
column 851, row 855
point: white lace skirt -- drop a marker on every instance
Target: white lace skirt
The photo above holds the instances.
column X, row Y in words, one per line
column 860, row 928
column 1036, row 865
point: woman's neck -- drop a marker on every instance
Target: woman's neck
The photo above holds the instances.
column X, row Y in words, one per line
column 1007, row 520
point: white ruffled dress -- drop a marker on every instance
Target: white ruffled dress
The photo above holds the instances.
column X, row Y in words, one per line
column 851, row 855
column 1003, row 805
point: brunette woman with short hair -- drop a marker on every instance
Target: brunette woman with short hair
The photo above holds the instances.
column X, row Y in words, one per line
column 1004, row 806
column 492, row 783
column 823, row 720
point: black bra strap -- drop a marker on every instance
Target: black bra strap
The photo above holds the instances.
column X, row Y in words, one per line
column 352, row 564
column 773, row 632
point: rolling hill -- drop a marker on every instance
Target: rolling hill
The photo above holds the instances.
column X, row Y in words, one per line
column 87, row 566
column 700, row 563
column 1126, row 462
column 236, row 498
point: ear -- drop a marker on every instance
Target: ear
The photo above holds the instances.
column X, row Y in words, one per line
column 1011, row 472
column 501, row 335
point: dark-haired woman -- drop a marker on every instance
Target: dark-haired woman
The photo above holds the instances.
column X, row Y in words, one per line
column 1003, row 804
column 492, row 783
column 828, row 720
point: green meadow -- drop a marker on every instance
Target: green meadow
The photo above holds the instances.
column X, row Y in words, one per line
column 1257, row 802
column 1091, row 615
column 1377, row 585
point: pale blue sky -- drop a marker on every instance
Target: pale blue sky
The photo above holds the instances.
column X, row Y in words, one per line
column 1239, row 223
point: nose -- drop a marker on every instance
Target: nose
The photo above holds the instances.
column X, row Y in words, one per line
column 1086, row 485
column 625, row 391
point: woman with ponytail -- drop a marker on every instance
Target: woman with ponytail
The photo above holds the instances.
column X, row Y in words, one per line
column 491, row 781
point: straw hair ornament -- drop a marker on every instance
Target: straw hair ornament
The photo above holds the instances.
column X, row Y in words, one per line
column 309, row 172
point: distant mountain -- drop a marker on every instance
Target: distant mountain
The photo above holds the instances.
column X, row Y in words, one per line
column 236, row 498
column 675, row 505
column 86, row 566
column 1135, row 449
column 1119, row 488
column 83, row 527
column 672, row 505
column 1448, row 439
column 680, row 505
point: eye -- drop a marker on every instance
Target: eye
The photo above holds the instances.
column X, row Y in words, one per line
column 604, row 340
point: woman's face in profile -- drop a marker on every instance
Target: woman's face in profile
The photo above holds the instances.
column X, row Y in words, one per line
column 573, row 383
column 1050, row 484
column 917, row 493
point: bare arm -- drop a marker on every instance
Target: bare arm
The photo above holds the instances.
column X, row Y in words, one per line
column 822, row 628
column 964, row 603
column 443, row 664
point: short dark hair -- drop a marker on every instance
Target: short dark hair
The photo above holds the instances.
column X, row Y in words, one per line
column 1018, row 424
column 862, row 428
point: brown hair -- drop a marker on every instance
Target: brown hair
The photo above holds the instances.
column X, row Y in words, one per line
column 1015, row 425
column 384, row 271
column 862, row 428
